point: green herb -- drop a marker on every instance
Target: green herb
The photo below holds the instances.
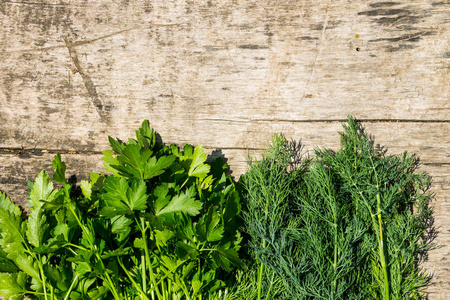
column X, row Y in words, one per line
column 267, row 216
column 163, row 226
column 350, row 224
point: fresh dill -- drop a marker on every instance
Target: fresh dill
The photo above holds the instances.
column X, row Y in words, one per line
column 346, row 224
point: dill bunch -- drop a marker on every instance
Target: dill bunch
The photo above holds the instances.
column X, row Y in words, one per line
column 350, row 224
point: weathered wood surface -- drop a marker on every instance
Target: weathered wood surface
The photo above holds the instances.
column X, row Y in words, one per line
column 226, row 74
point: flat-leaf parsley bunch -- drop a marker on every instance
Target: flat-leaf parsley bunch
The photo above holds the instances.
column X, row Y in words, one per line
column 162, row 226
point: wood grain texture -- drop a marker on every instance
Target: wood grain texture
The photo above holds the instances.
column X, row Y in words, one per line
column 225, row 74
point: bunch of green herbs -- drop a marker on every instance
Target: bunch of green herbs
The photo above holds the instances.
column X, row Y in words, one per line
column 351, row 224
column 162, row 226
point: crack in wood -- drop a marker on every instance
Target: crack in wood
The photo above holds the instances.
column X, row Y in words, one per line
column 79, row 43
column 326, row 121
column 35, row 3
column 84, row 42
column 27, row 153
column 74, row 44
column 88, row 83
column 40, row 152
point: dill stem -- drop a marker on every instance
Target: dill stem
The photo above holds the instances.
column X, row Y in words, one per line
column 270, row 287
column 260, row 274
column 380, row 240
column 332, row 202
column 335, row 255
column 381, row 250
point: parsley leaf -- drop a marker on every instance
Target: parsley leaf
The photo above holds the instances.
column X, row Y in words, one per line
column 182, row 203
column 121, row 198
column 13, row 286
column 60, row 169
column 198, row 167
column 42, row 190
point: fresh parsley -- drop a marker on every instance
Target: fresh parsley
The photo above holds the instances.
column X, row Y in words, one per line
column 163, row 225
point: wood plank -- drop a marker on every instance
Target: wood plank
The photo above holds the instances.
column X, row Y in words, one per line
column 295, row 61
column 428, row 140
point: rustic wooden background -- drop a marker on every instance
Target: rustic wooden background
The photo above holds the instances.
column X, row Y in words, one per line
column 225, row 74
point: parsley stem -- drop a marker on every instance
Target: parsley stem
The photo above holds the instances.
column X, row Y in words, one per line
column 110, row 284
column 143, row 259
column 144, row 296
column 42, row 276
column 76, row 246
column 142, row 226
column 74, row 281
column 91, row 242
